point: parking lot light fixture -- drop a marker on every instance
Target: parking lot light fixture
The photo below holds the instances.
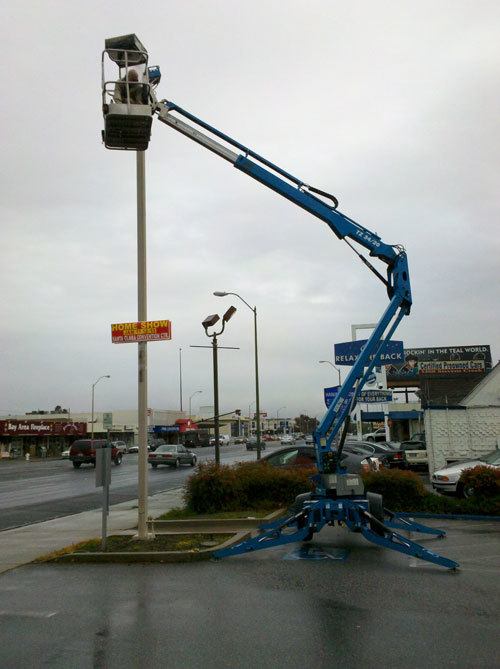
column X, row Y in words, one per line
column 331, row 363
column 190, row 398
column 105, row 376
column 223, row 293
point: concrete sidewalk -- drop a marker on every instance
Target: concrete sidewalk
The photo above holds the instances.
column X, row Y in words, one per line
column 24, row 544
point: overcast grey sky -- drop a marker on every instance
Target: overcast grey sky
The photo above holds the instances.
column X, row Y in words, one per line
column 392, row 106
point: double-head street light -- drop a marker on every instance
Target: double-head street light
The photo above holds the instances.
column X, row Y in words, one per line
column 219, row 293
column 209, row 322
column 105, row 376
column 191, row 397
column 331, row 363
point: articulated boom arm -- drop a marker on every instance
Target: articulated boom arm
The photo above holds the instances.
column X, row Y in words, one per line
column 293, row 189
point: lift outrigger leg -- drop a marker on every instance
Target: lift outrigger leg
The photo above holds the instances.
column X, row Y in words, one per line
column 355, row 514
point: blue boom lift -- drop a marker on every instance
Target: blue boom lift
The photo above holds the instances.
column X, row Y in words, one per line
column 339, row 496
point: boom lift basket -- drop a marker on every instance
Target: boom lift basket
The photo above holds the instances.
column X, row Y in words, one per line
column 127, row 102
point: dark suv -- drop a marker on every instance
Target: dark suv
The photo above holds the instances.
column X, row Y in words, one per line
column 82, row 451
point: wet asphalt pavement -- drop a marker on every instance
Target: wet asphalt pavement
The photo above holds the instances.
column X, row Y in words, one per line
column 377, row 608
column 31, row 492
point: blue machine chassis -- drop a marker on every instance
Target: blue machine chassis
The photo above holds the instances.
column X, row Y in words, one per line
column 351, row 512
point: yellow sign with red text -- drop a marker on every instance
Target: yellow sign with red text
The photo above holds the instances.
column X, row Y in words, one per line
column 130, row 333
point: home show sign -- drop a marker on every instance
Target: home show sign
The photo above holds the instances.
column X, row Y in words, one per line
column 139, row 331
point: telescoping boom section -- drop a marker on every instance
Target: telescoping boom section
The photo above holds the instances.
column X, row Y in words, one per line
column 338, row 496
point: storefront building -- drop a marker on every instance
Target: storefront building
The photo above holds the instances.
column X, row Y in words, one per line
column 39, row 438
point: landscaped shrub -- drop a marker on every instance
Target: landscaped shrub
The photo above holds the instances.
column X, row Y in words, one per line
column 481, row 481
column 405, row 491
column 401, row 490
column 215, row 488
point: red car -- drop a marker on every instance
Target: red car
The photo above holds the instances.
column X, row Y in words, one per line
column 82, row 451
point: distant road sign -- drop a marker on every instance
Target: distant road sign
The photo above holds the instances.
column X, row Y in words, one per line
column 346, row 353
column 126, row 333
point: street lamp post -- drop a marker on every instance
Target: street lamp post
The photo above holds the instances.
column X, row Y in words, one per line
column 191, row 397
column 331, row 363
column 277, row 415
column 210, row 321
column 219, row 293
column 180, row 379
column 105, row 376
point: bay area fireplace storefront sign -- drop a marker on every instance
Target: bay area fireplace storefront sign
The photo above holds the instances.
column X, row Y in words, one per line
column 38, row 428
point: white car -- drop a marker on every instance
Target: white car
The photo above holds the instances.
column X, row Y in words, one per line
column 287, row 439
column 447, row 479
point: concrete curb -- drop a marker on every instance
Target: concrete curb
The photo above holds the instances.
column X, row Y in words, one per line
column 210, row 525
column 150, row 556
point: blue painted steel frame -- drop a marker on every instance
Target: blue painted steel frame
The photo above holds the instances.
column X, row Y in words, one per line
column 348, row 511
column 323, row 509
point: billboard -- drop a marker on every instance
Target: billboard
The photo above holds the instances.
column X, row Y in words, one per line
column 441, row 361
column 139, row 331
column 346, row 353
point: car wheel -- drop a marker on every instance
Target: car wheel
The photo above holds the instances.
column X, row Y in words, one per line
column 118, row 460
column 176, row 464
column 77, row 465
column 154, row 465
column 193, row 462
column 370, row 439
column 467, row 491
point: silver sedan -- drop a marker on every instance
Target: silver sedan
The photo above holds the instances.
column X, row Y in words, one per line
column 172, row 455
column 448, row 478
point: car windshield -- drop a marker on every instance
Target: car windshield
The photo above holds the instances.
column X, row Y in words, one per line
column 492, row 458
column 166, row 449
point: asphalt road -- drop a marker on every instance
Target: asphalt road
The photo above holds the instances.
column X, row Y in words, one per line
column 32, row 492
column 377, row 608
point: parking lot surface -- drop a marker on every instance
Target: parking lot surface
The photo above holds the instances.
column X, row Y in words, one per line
column 377, row 608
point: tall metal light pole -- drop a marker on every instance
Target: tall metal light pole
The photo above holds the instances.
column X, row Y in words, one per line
column 105, row 376
column 180, row 378
column 191, row 397
column 210, row 321
column 142, row 315
column 278, row 413
column 219, row 293
column 331, row 363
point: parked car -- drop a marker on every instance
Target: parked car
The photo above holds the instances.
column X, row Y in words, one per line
column 134, row 448
column 448, row 478
column 305, row 456
column 287, row 439
column 120, row 445
column 240, row 440
column 172, row 455
column 65, row 454
column 390, row 455
column 378, row 435
column 415, row 452
column 82, row 451
column 252, row 444
column 309, row 439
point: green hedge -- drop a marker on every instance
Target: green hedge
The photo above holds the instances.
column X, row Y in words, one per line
column 258, row 485
column 246, row 485
column 405, row 491
column 482, row 481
